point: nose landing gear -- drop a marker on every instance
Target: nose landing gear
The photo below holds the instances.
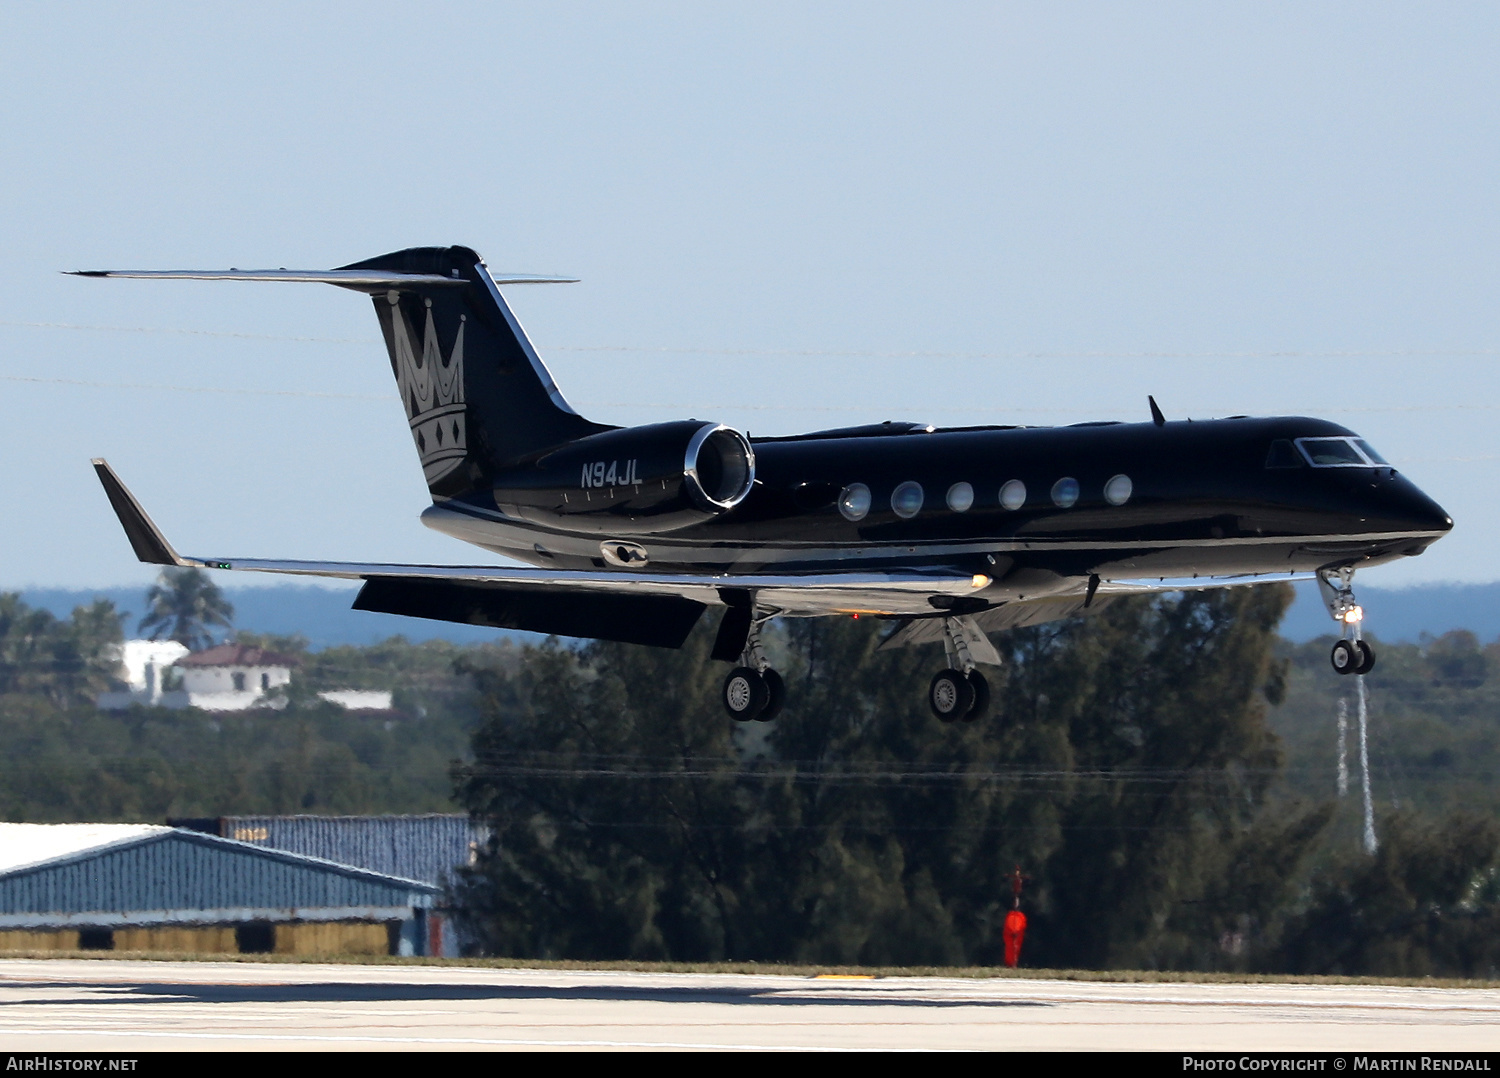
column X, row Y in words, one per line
column 1351, row 655
column 961, row 691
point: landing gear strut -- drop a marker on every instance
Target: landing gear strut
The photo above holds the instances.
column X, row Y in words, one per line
column 753, row 690
column 961, row 691
column 1351, row 655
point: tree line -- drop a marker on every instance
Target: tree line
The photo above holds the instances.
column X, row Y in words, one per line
column 1161, row 774
column 1129, row 771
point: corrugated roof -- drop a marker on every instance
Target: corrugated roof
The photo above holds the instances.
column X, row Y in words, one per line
column 121, row 874
column 237, row 655
column 428, row 847
column 26, row 844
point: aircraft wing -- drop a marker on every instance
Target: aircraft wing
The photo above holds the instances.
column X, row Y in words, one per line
column 634, row 607
column 1020, row 613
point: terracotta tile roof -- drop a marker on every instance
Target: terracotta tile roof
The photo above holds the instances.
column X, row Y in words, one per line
column 237, row 655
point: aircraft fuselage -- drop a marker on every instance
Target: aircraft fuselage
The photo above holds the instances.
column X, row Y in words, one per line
column 1018, row 504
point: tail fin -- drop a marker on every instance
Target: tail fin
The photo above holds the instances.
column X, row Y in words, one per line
column 476, row 394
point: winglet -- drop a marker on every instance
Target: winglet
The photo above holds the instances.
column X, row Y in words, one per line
column 145, row 537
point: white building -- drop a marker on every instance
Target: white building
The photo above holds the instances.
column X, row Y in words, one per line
column 358, row 699
column 144, row 664
column 230, row 677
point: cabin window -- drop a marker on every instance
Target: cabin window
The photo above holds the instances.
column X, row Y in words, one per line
column 1013, row 494
column 854, row 501
column 1332, row 453
column 960, row 497
column 1283, row 454
column 1118, row 490
column 906, row 499
column 1065, row 492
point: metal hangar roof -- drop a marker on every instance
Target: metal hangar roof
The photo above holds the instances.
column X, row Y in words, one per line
column 108, row 875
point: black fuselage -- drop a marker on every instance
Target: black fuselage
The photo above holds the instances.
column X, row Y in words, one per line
column 1202, row 498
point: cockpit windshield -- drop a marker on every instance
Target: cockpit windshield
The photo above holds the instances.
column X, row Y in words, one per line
column 1339, row 453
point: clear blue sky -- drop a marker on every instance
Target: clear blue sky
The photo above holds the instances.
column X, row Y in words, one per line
column 785, row 217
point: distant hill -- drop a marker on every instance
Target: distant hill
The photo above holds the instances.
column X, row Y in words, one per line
column 323, row 615
column 320, row 614
column 1403, row 614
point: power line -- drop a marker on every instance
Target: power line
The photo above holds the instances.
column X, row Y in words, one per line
column 735, row 406
column 834, row 353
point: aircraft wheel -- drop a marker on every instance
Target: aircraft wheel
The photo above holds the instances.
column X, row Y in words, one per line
column 1366, row 657
column 950, row 695
column 745, row 694
column 775, row 695
column 1345, row 657
column 981, row 706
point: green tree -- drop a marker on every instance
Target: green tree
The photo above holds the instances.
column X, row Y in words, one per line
column 67, row 662
column 1426, row 904
column 183, row 605
column 1125, row 769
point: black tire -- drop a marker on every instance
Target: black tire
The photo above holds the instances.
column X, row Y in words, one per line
column 745, row 694
column 1345, row 657
column 1366, row 657
column 950, row 695
column 775, row 695
column 981, row 707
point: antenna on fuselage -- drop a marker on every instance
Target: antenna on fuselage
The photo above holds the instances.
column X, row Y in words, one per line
column 1156, row 416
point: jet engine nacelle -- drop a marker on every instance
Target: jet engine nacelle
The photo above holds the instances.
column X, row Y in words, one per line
column 637, row 480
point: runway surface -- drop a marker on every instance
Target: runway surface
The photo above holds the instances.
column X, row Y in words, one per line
column 122, row 1006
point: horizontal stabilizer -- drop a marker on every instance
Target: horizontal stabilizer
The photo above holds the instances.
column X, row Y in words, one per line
column 348, row 278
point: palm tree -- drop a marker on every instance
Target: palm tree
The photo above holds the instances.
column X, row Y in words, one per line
column 182, row 604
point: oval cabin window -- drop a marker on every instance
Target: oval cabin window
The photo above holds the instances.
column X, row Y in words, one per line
column 960, row 497
column 854, row 501
column 906, row 500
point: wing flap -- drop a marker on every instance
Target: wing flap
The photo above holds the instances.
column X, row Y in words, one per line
column 662, row 621
column 1020, row 613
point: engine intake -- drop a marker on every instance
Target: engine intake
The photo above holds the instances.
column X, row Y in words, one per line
column 632, row 481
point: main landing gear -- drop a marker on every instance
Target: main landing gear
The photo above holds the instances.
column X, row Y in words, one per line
column 1351, row 655
column 753, row 691
column 961, row 691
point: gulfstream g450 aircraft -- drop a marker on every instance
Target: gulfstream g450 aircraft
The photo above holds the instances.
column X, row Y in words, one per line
column 631, row 533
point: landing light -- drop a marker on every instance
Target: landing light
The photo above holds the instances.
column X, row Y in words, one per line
column 979, row 581
column 1353, row 614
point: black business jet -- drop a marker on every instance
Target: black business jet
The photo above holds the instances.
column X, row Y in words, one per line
column 950, row 533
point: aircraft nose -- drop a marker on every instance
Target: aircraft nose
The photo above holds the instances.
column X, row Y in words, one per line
column 1412, row 510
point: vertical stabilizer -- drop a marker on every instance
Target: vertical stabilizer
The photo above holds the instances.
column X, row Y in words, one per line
column 476, row 394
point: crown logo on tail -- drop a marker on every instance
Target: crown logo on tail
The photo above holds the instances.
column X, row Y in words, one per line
column 432, row 391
